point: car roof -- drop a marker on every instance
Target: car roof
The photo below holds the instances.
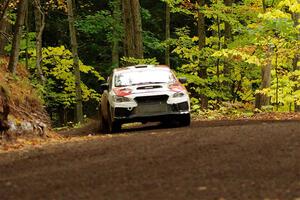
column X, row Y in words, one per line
column 141, row 67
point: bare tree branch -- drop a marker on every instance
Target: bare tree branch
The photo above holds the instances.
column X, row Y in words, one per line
column 40, row 25
column 38, row 6
column 5, row 35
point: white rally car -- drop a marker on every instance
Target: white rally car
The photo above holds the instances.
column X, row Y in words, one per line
column 143, row 93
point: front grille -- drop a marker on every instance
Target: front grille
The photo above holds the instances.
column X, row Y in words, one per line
column 151, row 108
column 122, row 112
column 151, row 104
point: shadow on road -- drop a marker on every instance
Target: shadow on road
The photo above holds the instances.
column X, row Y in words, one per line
column 91, row 128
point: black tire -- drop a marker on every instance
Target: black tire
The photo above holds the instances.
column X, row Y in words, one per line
column 167, row 123
column 113, row 126
column 103, row 126
column 184, row 120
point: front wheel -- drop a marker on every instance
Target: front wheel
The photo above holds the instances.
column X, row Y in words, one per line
column 184, row 120
column 113, row 126
column 103, row 125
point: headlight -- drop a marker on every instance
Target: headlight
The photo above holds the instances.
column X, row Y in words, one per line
column 121, row 99
column 178, row 94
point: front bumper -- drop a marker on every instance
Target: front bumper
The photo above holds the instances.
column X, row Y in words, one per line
column 150, row 111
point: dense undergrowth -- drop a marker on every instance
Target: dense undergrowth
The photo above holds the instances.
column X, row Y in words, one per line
column 27, row 116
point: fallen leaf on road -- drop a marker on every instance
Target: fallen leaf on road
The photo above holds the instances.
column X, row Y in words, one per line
column 202, row 188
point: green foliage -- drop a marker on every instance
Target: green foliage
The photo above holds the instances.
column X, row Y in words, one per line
column 152, row 43
column 59, row 88
column 238, row 55
column 277, row 31
column 11, row 16
column 233, row 65
column 108, row 21
column 136, row 61
column 254, row 32
column 102, row 21
column 177, row 6
column 27, row 42
column 227, row 110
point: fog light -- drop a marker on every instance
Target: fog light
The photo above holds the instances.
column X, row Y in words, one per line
column 121, row 99
column 178, row 94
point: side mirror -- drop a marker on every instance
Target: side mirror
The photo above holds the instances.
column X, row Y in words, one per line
column 182, row 80
column 104, row 86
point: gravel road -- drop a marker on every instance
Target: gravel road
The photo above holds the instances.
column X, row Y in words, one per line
column 208, row 160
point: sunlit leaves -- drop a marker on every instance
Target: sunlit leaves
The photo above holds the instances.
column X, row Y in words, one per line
column 292, row 5
column 258, row 38
column 180, row 6
column 238, row 56
column 57, row 4
column 60, row 81
column 137, row 61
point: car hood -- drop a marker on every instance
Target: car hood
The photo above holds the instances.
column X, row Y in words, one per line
column 150, row 89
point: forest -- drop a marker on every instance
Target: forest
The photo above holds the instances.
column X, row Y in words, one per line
column 239, row 56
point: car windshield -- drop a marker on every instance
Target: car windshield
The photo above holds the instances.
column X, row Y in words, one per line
column 140, row 77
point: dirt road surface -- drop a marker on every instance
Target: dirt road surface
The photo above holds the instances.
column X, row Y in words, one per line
column 209, row 160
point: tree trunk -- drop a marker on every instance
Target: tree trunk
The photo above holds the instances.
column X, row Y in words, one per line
column 26, row 36
column 74, row 45
column 6, row 31
column 201, row 45
column 4, row 111
column 137, row 28
column 39, row 28
column 14, row 55
column 263, row 99
column 115, row 54
column 3, row 26
column 133, row 41
column 264, row 5
column 228, row 38
column 3, row 9
column 127, row 28
column 296, row 66
column 115, row 37
column 228, row 28
column 168, row 23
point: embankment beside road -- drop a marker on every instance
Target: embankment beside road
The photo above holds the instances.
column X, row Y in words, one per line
column 21, row 110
